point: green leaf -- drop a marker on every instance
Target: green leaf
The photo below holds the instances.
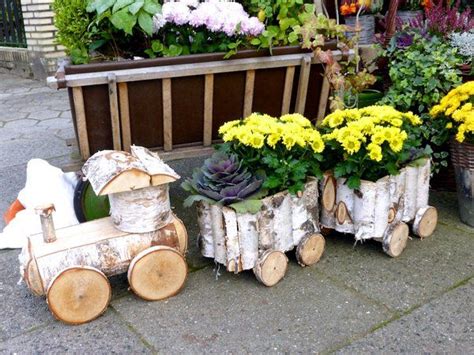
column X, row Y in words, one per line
column 157, row 46
column 255, row 42
column 120, row 4
column 135, row 7
column 196, row 198
column 146, row 22
column 272, row 182
column 124, row 20
column 100, row 6
column 152, row 7
column 247, row 206
column 353, row 182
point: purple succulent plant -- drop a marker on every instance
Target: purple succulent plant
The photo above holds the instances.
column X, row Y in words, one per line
column 223, row 179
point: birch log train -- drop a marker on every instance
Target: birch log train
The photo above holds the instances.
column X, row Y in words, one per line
column 381, row 210
column 244, row 241
column 143, row 237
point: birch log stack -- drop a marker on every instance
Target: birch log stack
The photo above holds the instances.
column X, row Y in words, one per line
column 244, row 241
column 381, row 210
column 70, row 266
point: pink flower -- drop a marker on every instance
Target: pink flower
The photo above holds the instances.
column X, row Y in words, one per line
column 251, row 27
column 176, row 12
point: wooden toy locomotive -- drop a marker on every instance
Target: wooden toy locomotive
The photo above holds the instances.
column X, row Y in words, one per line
column 70, row 266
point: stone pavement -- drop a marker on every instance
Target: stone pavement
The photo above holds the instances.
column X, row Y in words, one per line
column 355, row 300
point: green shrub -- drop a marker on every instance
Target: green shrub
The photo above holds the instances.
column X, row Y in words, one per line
column 72, row 21
column 421, row 74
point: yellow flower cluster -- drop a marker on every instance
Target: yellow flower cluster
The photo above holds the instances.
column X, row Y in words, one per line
column 457, row 105
column 257, row 130
column 370, row 127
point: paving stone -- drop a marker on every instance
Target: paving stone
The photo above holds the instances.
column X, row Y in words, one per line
column 443, row 326
column 12, row 179
column 425, row 269
column 9, row 115
column 44, row 146
column 21, row 123
column 21, row 310
column 57, row 123
column 66, row 114
column 44, row 114
column 106, row 335
column 304, row 313
column 447, row 205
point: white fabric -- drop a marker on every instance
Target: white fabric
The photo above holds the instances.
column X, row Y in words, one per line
column 44, row 184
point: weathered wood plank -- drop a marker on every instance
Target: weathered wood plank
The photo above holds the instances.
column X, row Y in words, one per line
column 82, row 135
column 167, row 115
column 303, row 84
column 125, row 116
column 248, row 96
column 182, row 70
column 208, row 105
column 114, row 111
column 288, row 89
column 323, row 98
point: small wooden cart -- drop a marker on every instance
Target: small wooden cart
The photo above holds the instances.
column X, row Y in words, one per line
column 70, row 266
column 381, row 210
column 244, row 241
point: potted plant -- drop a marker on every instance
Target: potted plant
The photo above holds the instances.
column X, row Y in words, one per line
column 412, row 10
column 455, row 112
column 358, row 16
column 258, row 196
column 178, row 100
column 378, row 176
column 464, row 43
column 347, row 75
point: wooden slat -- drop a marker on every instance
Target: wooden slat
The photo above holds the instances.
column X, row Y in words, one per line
column 323, row 99
column 288, row 89
column 248, row 96
column 182, row 70
column 114, row 111
column 81, row 124
column 125, row 116
column 208, row 104
column 167, row 115
column 303, row 85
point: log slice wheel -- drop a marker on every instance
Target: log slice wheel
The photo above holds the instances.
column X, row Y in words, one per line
column 271, row 267
column 310, row 249
column 78, row 294
column 395, row 239
column 157, row 273
column 425, row 221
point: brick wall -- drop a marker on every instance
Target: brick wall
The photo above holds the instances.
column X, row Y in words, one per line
column 40, row 58
column 40, row 36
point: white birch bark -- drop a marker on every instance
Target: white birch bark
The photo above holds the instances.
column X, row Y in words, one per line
column 345, row 195
column 218, row 234
column 232, row 240
column 282, row 223
column 397, row 194
column 265, row 223
column 423, row 185
column 248, row 239
column 364, row 211
column 206, row 239
column 96, row 244
column 382, row 206
column 141, row 211
column 411, row 185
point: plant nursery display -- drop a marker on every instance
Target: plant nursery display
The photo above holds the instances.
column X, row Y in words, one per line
column 378, row 176
column 70, row 265
column 258, row 196
column 455, row 112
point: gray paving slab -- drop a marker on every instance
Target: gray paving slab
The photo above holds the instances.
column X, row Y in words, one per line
column 21, row 311
column 106, row 335
column 12, row 179
column 447, row 204
column 445, row 325
column 20, row 151
column 304, row 313
column 425, row 269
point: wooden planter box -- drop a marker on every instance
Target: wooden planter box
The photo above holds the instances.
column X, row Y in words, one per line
column 381, row 210
column 177, row 104
column 244, row 241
